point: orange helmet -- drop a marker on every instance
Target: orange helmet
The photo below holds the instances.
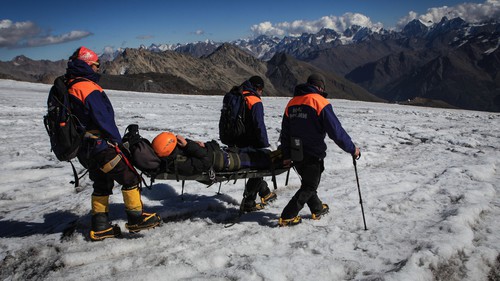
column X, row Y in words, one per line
column 164, row 143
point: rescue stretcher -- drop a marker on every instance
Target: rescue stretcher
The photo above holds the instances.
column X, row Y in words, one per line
column 212, row 177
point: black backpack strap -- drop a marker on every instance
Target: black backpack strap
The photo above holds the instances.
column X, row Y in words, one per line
column 244, row 105
column 76, row 80
column 77, row 178
column 151, row 181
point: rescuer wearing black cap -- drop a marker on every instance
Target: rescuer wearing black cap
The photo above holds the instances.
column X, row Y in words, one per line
column 308, row 118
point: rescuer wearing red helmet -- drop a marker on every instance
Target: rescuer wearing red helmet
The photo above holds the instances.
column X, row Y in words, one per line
column 100, row 150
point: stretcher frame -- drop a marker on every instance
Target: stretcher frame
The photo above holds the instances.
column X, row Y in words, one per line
column 226, row 176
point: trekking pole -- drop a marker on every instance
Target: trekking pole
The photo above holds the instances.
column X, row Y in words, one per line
column 359, row 190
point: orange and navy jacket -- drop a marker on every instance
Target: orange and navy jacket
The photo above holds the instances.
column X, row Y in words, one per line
column 309, row 116
column 92, row 106
column 255, row 128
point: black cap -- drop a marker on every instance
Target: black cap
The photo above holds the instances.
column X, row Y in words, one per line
column 316, row 80
column 257, row 82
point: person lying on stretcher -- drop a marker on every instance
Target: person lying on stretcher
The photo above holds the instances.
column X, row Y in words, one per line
column 188, row 157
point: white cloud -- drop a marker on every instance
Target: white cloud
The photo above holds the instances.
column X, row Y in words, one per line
column 470, row 12
column 404, row 20
column 51, row 40
column 339, row 24
column 267, row 28
column 11, row 33
column 27, row 34
column 199, row 32
column 108, row 50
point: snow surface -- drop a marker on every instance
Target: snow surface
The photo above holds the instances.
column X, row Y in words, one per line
column 429, row 180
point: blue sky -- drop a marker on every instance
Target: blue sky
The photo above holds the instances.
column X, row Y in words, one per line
column 54, row 29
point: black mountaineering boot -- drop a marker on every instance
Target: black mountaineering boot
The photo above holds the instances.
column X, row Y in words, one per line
column 248, row 205
column 138, row 222
column 252, row 208
column 102, row 229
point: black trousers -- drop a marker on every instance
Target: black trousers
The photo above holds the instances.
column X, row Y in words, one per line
column 104, row 182
column 310, row 172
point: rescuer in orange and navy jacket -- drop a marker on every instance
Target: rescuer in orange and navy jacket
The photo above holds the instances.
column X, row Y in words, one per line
column 92, row 106
column 255, row 137
column 308, row 118
column 255, row 128
column 100, row 150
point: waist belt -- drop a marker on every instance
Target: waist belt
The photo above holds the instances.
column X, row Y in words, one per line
column 92, row 134
column 111, row 164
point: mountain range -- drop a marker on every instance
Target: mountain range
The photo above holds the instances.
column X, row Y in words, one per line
column 452, row 63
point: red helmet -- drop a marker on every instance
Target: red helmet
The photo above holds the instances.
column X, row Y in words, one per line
column 164, row 143
column 87, row 56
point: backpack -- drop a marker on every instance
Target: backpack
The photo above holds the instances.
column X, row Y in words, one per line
column 232, row 117
column 64, row 129
column 140, row 152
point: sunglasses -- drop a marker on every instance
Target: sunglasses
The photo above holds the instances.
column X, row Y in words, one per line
column 95, row 63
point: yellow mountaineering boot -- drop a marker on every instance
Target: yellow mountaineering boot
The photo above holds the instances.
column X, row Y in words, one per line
column 320, row 213
column 289, row 222
column 268, row 198
column 100, row 226
column 137, row 219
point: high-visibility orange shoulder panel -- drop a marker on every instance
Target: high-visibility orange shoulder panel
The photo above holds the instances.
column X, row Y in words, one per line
column 251, row 100
column 315, row 101
column 82, row 89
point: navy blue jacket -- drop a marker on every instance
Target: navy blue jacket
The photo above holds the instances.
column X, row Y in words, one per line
column 189, row 160
column 309, row 116
column 255, row 128
column 92, row 106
